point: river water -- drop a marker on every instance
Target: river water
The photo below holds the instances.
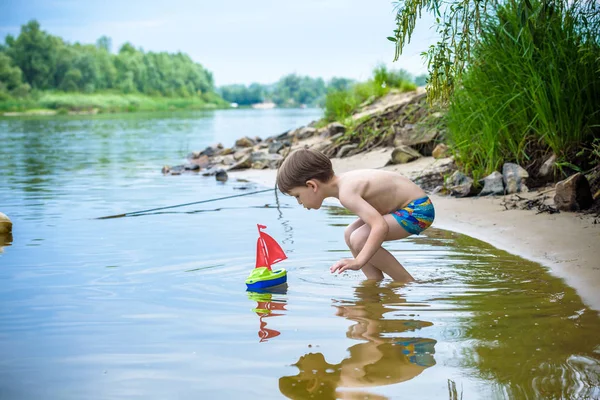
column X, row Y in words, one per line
column 155, row 306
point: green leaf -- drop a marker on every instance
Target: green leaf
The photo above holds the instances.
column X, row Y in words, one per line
column 392, row 39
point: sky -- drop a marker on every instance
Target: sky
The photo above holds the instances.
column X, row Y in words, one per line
column 239, row 41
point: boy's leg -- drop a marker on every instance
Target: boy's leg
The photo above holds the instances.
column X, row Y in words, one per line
column 383, row 260
column 369, row 270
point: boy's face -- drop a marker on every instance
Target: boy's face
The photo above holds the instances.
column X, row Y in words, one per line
column 309, row 195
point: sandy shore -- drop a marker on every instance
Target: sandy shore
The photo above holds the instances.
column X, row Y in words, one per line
column 567, row 243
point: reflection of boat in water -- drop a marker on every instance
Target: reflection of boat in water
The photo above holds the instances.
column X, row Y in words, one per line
column 267, row 307
column 385, row 357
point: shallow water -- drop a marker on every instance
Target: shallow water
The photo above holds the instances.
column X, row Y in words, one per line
column 155, row 306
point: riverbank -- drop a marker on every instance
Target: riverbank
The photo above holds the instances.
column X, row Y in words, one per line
column 400, row 132
column 59, row 103
column 566, row 243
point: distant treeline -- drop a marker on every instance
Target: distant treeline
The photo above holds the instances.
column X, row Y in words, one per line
column 36, row 61
column 42, row 71
column 294, row 90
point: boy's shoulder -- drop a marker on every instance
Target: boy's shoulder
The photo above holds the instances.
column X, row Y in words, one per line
column 356, row 179
column 366, row 179
column 359, row 176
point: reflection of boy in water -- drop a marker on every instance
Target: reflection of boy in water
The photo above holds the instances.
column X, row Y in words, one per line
column 386, row 358
column 5, row 240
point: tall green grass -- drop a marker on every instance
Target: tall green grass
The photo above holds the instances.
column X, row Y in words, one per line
column 339, row 105
column 534, row 87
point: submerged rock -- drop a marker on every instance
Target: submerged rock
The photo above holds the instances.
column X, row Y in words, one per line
column 573, row 194
column 191, row 167
column 493, row 184
column 221, row 175
column 176, row 170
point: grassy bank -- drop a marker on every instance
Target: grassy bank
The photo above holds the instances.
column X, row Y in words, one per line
column 532, row 91
column 341, row 104
column 62, row 103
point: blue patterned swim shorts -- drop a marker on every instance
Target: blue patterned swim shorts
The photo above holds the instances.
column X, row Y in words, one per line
column 417, row 216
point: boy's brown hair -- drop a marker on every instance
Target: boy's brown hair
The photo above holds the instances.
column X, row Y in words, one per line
column 303, row 165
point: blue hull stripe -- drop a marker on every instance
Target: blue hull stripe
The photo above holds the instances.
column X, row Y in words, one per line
column 266, row 284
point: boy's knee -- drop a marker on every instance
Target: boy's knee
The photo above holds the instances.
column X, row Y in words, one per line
column 358, row 238
column 347, row 233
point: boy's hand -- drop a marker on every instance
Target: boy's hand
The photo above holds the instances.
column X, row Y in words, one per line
column 346, row 263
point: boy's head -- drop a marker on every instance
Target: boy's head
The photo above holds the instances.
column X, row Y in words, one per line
column 302, row 175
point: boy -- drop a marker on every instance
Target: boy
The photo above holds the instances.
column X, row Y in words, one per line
column 389, row 207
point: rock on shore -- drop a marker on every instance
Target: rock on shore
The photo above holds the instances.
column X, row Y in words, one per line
column 398, row 120
column 408, row 129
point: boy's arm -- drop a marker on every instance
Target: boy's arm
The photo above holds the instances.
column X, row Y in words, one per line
column 379, row 228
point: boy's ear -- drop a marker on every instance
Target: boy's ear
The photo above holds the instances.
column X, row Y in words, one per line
column 312, row 185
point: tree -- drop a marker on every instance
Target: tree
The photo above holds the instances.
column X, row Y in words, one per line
column 339, row 84
column 34, row 52
column 10, row 75
column 47, row 62
column 72, row 80
column 107, row 73
column 294, row 90
column 243, row 95
column 104, row 43
column 256, row 93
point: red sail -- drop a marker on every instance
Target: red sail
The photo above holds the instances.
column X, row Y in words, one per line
column 268, row 251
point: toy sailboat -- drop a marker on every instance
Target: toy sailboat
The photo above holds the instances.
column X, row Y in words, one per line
column 268, row 252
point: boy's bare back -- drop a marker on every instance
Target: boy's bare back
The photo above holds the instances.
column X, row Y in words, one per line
column 385, row 191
